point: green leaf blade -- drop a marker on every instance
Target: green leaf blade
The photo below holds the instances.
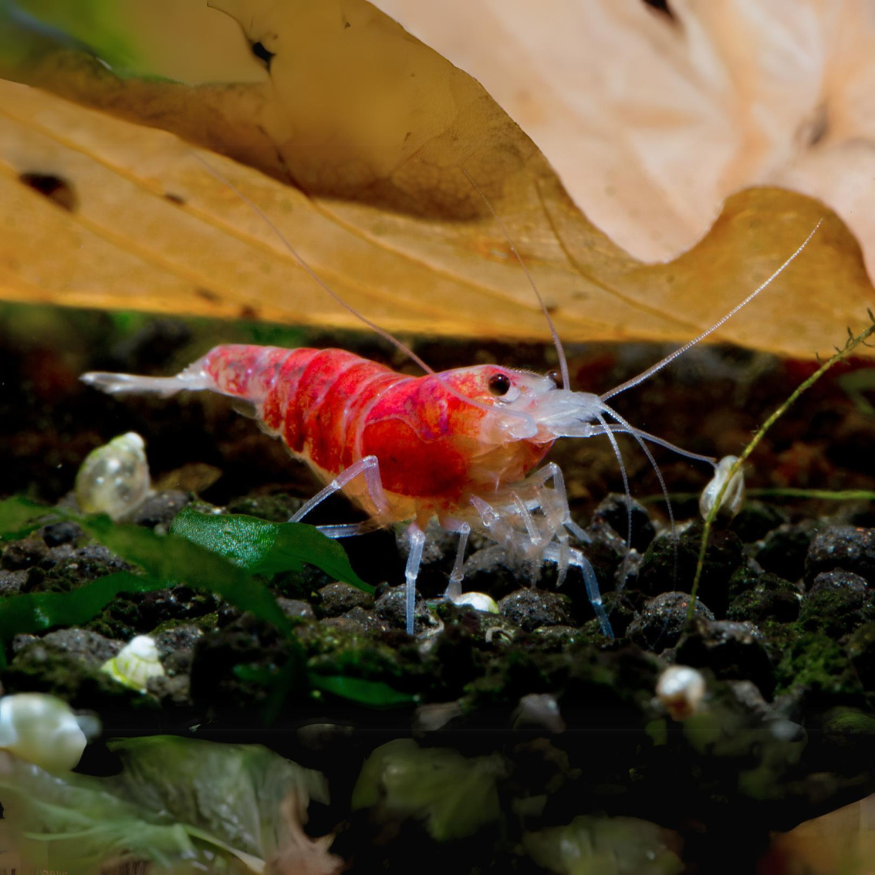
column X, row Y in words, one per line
column 375, row 694
column 267, row 548
column 20, row 516
column 173, row 559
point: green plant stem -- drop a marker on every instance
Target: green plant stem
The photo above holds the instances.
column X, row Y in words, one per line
column 852, row 343
column 817, row 494
column 777, row 492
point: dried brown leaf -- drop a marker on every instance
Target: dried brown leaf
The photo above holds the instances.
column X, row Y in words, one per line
column 652, row 117
column 355, row 142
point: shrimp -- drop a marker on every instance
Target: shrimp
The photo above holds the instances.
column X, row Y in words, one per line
column 461, row 446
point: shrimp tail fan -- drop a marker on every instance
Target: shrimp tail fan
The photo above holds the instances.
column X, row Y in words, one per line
column 191, row 378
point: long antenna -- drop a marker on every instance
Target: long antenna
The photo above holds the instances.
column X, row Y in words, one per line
column 372, row 325
column 309, row 270
column 563, row 362
column 646, row 375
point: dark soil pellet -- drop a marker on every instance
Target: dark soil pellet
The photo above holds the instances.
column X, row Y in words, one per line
column 669, row 565
column 755, row 520
column 784, row 549
column 64, row 532
column 614, row 510
column 531, row 608
column 83, row 644
column 228, row 663
column 178, row 603
column 391, row 608
column 843, row 547
column 733, row 651
column 12, row 582
column 86, row 563
column 663, row 619
column 366, row 619
column 24, row 554
column 764, row 598
column 837, row 603
column 295, row 609
column 160, row 509
column 861, row 649
column 177, row 638
column 338, row 598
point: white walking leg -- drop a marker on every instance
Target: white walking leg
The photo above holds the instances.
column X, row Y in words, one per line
column 556, row 508
column 528, row 520
column 350, row 530
column 411, row 572
column 369, row 466
column 577, row 558
column 457, row 575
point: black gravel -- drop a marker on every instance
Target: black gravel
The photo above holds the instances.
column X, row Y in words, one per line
column 783, row 630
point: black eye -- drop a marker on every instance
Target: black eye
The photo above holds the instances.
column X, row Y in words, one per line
column 556, row 377
column 499, row 384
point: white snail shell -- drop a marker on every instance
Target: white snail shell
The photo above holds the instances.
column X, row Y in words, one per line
column 733, row 498
column 42, row 730
column 681, row 689
column 114, row 479
column 479, row 601
column 136, row 662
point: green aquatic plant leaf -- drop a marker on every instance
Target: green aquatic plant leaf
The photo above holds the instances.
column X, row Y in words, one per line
column 239, row 786
column 20, row 516
column 176, row 559
column 180, row 803
column 166, row 559
column 373, row 693
column 602, row 845
column 209, row 552
column 38, row 611
column 262, row 547
column 32, row 612
column 455, row 795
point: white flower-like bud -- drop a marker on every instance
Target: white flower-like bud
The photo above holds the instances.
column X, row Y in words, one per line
column 114, row 479
column 136, row 662
column 42, row 730
column 477, row 600
column 681, row 689
column 733, row 497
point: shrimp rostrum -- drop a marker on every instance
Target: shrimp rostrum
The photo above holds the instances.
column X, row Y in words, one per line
column 462, row 446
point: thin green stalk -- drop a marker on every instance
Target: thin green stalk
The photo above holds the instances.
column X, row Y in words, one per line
column 775, row 492
column 851, row 344
column 817, row 494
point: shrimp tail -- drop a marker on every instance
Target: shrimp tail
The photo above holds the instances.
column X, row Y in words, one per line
column 193, row 378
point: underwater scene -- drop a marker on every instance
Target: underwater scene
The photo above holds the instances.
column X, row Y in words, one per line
column 376, row 494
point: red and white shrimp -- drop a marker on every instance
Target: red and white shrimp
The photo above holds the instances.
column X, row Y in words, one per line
column 461, row 446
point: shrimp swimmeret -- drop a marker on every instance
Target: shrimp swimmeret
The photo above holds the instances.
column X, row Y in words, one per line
column 461, row 446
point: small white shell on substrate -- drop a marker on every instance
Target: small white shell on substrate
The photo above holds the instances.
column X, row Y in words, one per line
column 733, row 498
column 681, row 690
column 136, row 662
column 479, row 601
column 114, row 479
column 42, row 730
